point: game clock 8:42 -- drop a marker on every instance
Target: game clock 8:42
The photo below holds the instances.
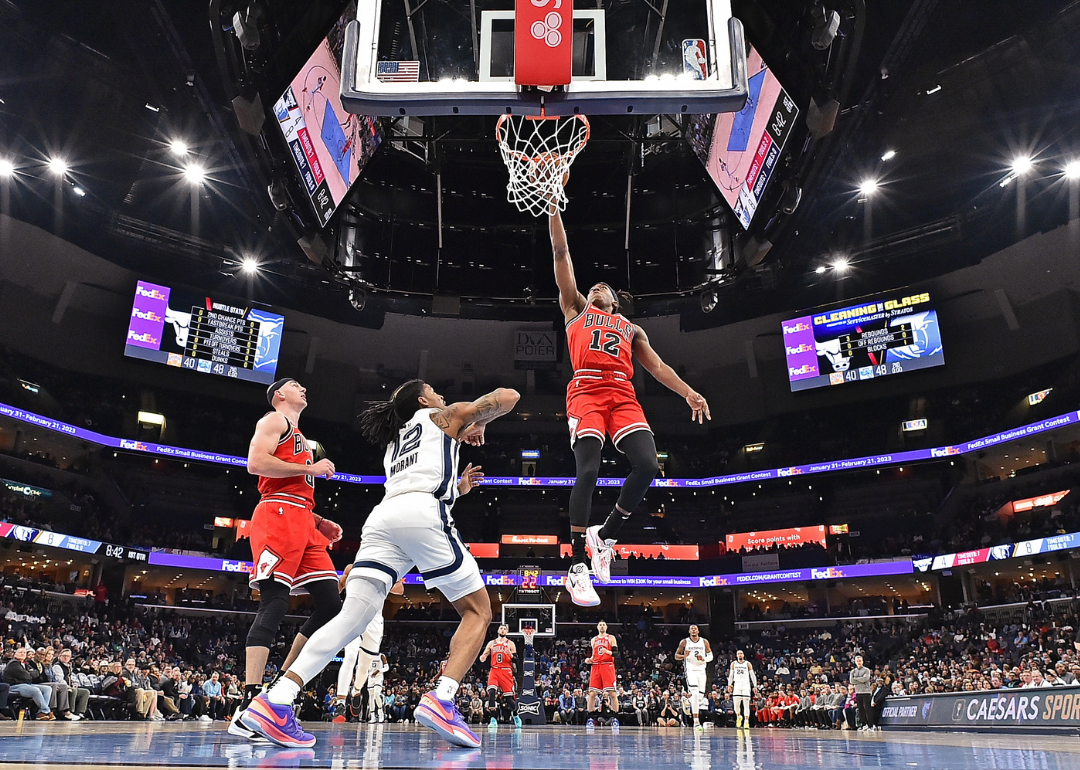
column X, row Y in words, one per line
column 528, row 581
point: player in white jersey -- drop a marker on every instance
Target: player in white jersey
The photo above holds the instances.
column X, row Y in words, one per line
column 696, row 654
column 376, row 669
column 411, row 527
column 742, row 680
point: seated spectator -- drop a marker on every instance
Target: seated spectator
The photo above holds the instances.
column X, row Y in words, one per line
column 211, row 690
column 20, row 678
column 79, row 696
column 669, row 713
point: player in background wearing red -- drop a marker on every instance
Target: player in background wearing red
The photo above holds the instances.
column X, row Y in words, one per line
column 501, row 677
column 288, row 539
column 602, row 676
column 600, row 401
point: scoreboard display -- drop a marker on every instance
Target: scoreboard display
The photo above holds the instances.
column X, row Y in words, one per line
column 202, row 334
column 878, row 337
column 530, row 582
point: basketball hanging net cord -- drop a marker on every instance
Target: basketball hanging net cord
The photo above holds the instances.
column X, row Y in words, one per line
column 528, row 634
column 538, row 153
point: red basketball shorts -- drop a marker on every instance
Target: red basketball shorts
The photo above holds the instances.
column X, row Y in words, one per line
column 286, row 546
column 599, row 408
column 602, row 676
column 501, row 679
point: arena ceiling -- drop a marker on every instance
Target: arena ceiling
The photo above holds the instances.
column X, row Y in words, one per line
column 957, row 90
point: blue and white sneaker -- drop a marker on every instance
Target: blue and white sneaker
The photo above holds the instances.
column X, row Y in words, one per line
column 277, row 724
column 615, row 723
column 517, row 721
column 443, row 718
column 493, row 724
column 590, row 723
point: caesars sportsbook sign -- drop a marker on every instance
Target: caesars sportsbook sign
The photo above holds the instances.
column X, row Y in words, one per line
column 1046, row 707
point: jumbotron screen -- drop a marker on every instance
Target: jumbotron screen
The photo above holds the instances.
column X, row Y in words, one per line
column 880, row 336
column 202, row 334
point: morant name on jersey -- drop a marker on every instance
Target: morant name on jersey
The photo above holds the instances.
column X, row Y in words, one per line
column 422, row 458
column 404, row 463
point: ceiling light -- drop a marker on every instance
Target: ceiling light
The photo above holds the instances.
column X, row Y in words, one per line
column 820, row 269
column 7, row 168
column 58, row 166
column 840, row 265
column 195, row 173
column 78, row 190
column 249, row 265
column 1021, row 164
column 933, row 90
column 1072, row 169
column 868, row 187
column 889, row 155
column 178, row 147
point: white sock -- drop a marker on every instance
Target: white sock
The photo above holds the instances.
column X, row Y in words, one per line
column 284, row 692
column 446, row 689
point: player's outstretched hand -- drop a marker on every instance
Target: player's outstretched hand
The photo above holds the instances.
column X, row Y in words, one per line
column 330, row 530
column 699, row 407
column 470, row 477
column 474, row 436
column 323, row 469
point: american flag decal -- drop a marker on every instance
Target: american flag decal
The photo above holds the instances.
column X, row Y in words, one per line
column 398, row 71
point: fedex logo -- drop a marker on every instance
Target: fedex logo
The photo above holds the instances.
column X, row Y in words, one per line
column 945, row 452
column 150, row 293
column 803, row 348
column 149, row 315
column 236, row 566
column 144, row 337
column 827, row 573
column 528, row 481
column 799, row 327
column 789, row 471
column 138, row 446
column 804, row 369
column 666, row 483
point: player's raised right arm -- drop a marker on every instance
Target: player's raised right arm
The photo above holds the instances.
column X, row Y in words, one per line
column 465, row 421
column 571, row 300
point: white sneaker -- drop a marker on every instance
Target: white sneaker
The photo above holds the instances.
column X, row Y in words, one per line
column 72, row 717
column 157, row 717
column 580, row 587
column 602, row 553
column 205, row 718
column 698, row 728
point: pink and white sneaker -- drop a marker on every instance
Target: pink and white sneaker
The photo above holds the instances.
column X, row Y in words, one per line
column 444, row 718
column 580, row 586
column 602, row 552
column 276, row 723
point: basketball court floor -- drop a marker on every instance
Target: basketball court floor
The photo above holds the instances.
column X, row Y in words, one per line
column 126, row 744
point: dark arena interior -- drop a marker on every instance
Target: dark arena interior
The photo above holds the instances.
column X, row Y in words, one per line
column 781, row 380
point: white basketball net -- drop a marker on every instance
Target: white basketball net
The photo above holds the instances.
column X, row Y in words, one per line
column 538, row 153
column 528, row 633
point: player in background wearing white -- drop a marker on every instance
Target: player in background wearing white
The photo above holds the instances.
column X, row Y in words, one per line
column 602, row 677
column 376, row 671
column 502, row 650
column 356, row 660
column 696, row 654
column 743, row 682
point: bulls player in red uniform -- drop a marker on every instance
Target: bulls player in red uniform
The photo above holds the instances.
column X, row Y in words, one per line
column 602, row 675
column 600, row 401
column 288, row 539
column 501, row 678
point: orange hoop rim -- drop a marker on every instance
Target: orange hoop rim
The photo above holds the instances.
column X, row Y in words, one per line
column 523, row 156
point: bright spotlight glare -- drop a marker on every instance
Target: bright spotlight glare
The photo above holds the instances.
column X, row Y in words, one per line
column 58, row 166
column 178, row 147
column 78, row 191
column 840, row 265
column 1021, row 164
column 820, row 269
column 249, row 265
column 1072, row 169
column 7, row 168
column 868, row 187
column 195, row 173
column 889, row 155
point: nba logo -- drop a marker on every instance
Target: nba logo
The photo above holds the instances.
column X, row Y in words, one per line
column 695, row 63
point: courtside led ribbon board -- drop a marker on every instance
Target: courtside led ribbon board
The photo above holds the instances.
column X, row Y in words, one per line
column 543, row 42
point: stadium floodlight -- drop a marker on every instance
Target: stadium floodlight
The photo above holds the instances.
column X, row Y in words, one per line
column 1072, row 169
column 868, row 187
column 7, row 168
column 80, row 192
column 178, row 147
column 888, row 155
column 250, row 265
column 840, row 265
column 821, row 269
column 1021, row 164
column 58, row 166
column 195, row 173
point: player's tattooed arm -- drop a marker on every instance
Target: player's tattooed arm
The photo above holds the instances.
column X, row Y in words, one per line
column 465, row 421
column 699, row 407
column 571, row 301
column 680, row 654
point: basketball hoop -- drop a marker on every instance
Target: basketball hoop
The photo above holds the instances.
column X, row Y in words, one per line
column 538, row 152
column 528, row 633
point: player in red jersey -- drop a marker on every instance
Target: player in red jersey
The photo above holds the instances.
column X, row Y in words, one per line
column 501, row 678
column 600, row 401
column 288, row 539
column 602, row 675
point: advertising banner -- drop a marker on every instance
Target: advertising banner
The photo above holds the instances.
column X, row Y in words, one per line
column 765, row 561
column 794, row 536
column 1021, row 709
